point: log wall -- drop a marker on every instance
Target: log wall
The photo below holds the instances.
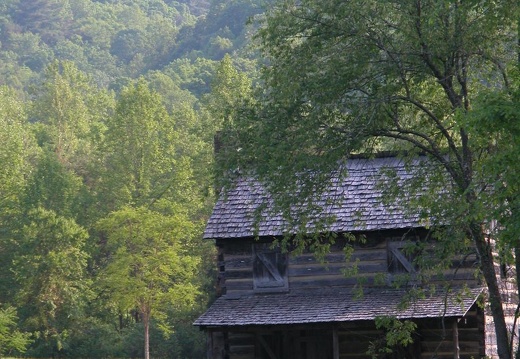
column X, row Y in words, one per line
column 436, row 338
column 305, row 271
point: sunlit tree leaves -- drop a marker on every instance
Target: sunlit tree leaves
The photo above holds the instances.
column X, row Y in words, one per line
column 50, row 269
column 150, row 266
column 12, row 341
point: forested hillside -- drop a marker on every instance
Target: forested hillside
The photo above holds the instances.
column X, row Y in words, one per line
column 108, row 114
column 108, row 109
column 114, row 41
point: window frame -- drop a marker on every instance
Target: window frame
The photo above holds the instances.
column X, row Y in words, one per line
column 394, row 253
column 270, row 269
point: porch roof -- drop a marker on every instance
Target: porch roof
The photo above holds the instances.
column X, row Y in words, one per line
column 334, row 306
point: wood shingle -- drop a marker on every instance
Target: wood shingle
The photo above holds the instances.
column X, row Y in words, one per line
column 355, row 201
column 329, row 306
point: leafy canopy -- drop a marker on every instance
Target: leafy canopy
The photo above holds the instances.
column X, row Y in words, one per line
column 345, row 77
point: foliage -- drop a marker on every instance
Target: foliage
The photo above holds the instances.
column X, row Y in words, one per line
column 17, row 155
column 52, row 187
column 94, row 338
column 147, row 250
column 343, row 77
column 398, row 334
column 149, row 264
column 328, row 94
column 50, row 268
column 222, row 31
column 18, row 147
column 192, row 75
column 140, row 150
column 48, row 18
column 110, row 40
column 494, row 121
column 82, row 138
column 228, row 89
column 11, row 340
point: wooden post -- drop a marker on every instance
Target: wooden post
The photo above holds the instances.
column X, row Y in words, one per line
column 335, row 343
column 209, row 345
column 456, row 348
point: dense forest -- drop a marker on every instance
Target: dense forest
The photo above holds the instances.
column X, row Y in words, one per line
column 108, row 116
column 108, row 109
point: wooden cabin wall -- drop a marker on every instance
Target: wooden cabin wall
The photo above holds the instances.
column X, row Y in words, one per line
column 283, row 342
column 242, row 345
column 235, row 267
column 434, row 338
column 439, row 337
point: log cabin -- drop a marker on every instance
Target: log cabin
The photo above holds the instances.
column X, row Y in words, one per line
column 275, row 303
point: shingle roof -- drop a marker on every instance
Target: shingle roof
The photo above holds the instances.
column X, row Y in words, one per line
column 355, row 201
column 333, row 306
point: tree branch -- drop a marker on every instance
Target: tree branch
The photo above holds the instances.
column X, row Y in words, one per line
column 438, row 124
column 433, row 150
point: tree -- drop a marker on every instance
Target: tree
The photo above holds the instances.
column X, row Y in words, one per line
column 149, row 264
column 48, row 256
column 50, row 18
column 18, row 147
column 17, row 154
column 127, row 44
column 229, row 88
column 30, row 50
column 345, row 77
column 494, row 122
column 139, row 149
column 70, row 111
column 145, row 162
column 193, row 75
column 10, row 338
column 50, row 269
column 149, row 188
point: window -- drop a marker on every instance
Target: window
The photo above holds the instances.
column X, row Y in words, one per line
column 269, row 268
column 400, row 257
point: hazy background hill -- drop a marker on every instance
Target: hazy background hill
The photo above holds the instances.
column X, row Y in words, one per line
column 108, row 111
column 115, row 40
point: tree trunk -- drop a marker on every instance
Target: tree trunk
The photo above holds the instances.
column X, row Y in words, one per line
column 487, row 266
column 146, row 323
column 517, row 273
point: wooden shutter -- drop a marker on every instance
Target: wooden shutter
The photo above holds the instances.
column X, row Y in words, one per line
column 398, row 261
column 269, row 268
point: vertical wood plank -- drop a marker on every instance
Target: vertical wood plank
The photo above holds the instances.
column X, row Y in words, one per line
column 209, row 345
column 335, row 343
column 456, row 347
